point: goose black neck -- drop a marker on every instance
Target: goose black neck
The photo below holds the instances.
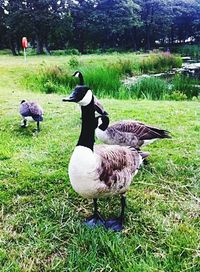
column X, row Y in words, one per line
column 87, row 137
column 81, row 79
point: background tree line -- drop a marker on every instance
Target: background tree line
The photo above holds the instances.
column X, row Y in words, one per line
column 92, row 24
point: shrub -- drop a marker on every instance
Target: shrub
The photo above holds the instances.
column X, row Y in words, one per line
column 124, row 67
column 189, row 50
column 72, row 51
column 50, row 79
column 186, row 85
column 160, row 63
column 180, row 88
column 97, row 51
column 73, row 62
column 5, row 52
column 176, row 95
column 149, row 88
column 104, row 80
column 58, row 53
column 51, row 87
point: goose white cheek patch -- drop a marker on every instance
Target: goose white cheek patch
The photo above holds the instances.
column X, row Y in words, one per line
column 86, row 99
column 77, row 75
column 99, row 122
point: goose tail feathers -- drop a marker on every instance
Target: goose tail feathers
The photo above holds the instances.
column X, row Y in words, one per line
column 156, row 133
column 163, row 133
column 143, row 154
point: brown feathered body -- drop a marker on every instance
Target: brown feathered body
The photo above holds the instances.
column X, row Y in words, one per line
column 108, row 170
column 131, row 133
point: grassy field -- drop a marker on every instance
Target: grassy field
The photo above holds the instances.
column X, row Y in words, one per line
column 41, row 217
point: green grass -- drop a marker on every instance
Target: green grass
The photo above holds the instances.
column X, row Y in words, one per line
column 41, row 217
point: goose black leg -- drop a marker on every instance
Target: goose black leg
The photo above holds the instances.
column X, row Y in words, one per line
column 96, row 219
column 38, row 126
column 145, row 162
column 24, row 123
column 116, row 224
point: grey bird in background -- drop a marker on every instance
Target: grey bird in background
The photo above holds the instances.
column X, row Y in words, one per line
column 30, row 109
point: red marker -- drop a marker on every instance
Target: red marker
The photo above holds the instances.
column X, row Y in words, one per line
column 24, row 45
column 24, row 42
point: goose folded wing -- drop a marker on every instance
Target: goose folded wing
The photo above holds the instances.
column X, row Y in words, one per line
column 36, row 111
column 140, row 130
column 24, row 109
column 117, row 165
column 128, row 126
column 123, row 138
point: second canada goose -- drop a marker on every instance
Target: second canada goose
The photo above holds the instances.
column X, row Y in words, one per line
column 80, row 76
column 31, row 109
column 128, row 133
column 101, row 170
column 98, row 106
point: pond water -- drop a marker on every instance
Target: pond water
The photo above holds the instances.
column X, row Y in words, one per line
column 190, row 68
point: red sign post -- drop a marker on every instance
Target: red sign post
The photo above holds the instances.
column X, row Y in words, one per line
column 24, row 45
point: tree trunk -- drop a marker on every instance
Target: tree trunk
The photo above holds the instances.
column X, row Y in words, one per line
column 81, row 43
column 39, row 48
column 148, row 44
column 46, row 49
column 172, row 35
column 12, row 47
column 133, row 39
column 18, row 47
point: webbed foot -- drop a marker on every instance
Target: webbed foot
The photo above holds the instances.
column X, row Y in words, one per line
column 95, row 220
column 115, row 224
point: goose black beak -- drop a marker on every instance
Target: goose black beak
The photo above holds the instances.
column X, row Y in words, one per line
column 71, row 98
column 75, row 73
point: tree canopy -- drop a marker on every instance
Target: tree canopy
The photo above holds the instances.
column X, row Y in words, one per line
column 92, row 24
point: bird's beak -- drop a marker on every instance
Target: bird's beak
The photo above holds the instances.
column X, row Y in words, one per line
column 71, row 98
column 68, row 99
column 74, row 74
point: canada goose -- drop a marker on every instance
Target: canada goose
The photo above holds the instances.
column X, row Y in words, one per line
column 31, row 109
column 128, row 133
column 98, row 106
column 101, row 170
column 80, row 76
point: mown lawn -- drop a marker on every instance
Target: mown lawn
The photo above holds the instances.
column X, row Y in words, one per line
column 41, row 217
